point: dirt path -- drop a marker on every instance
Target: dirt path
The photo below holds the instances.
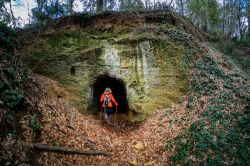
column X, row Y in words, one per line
column 138, row 143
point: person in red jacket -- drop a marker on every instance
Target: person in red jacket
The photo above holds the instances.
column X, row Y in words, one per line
column 107, row 100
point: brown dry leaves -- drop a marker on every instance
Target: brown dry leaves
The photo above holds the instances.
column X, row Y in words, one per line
column 138, row 143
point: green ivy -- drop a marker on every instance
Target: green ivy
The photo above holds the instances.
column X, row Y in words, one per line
column 219, row 137
column 10, row 95
column 12, row 98
column 35, row 124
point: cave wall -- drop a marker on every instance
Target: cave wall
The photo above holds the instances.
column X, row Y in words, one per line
column 151, row 73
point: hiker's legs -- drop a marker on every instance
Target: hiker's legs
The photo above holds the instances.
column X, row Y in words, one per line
column 108, row 111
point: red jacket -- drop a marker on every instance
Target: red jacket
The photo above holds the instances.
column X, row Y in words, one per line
column 111, row 98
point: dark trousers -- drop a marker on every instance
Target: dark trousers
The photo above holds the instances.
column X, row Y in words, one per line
column 108, row 110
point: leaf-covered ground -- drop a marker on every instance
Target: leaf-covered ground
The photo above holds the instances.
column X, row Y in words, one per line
column 129, row 143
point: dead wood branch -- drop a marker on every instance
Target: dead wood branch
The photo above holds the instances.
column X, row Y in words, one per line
column 62, row 149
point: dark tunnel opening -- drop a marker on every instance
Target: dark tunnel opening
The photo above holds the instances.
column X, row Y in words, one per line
column 118, row 88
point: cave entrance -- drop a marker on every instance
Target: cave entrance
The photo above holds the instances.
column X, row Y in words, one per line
column 118, row 88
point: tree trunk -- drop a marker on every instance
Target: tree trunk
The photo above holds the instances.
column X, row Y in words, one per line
column 230, row 19
column 248, row 24
column 70, row 6
column 223, row 18
column 239, row 18
column 248, row 16
column 12, row 15
column 28, row 8
column 99, row 6
column 182, row 7
column 146, row 4
column 170, row 3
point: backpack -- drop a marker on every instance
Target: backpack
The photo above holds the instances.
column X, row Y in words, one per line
column 106, row 100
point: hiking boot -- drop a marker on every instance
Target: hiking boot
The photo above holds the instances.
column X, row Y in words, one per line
column 106, row 117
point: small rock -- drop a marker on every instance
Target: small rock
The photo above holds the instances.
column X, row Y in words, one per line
column 134, row 163
column 151, row 163
column 139, row 146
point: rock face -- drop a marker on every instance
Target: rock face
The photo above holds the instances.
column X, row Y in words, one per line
column 153, row 78
column 146, row 72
